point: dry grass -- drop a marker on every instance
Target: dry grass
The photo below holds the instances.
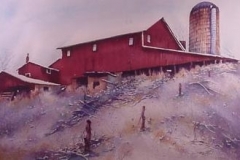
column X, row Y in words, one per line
column 167, row 128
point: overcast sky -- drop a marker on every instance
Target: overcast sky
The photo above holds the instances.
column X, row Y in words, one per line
column 38, row 27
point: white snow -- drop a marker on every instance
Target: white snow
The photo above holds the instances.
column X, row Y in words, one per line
column 31, row 80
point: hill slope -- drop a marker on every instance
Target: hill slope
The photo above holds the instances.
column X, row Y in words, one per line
column 202, row 123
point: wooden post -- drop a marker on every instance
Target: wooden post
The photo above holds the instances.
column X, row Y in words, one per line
column 161, row 69
column 180, row 89
column 174, row 69
column 87, row 139
column 191, row 65
column 143, row 119
column 149, row 72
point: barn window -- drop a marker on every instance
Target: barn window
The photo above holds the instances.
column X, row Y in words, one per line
column 45, row 88
column 68, row 53
column 28, row 74
column 95, row 84
column 148, row 38
column 48, row 71
column 130, row 41
column 94, row 47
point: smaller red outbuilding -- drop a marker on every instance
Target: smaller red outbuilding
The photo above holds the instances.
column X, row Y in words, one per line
column 14, row 83
column 37, row 71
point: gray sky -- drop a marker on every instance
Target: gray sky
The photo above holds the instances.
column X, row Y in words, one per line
column 38, row 27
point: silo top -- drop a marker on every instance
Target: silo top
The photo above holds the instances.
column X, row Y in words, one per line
column 204, row 5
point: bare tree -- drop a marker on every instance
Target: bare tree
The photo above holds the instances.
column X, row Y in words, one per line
column 228, row 52
column 5, row 58
column 181, row 32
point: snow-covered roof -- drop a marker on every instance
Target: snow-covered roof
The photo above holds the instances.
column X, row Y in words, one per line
column 40, row 66
column 99, row 39
column 54, row 63
column 31, row 80
column 140, row 29
column 184, row 52
column 173, row 35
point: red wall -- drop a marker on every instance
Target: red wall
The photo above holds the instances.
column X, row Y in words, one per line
column 56, row 64
column 8, row 82
column 112, row 54
column 115, row 55
column 39, row 72
column 161, row 36
column 165, row 58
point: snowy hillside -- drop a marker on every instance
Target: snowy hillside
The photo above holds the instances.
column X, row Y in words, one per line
column 201, row 123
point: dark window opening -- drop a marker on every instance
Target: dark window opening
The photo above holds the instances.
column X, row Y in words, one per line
column 128, row 73
column 83, row 81
column 48, row 71
column 45, row 89
column 95, row 84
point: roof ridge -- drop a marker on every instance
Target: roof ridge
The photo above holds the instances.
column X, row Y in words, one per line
column 28, row 79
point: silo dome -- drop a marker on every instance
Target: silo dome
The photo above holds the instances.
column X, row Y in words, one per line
column 203, row 5
column 204, row 29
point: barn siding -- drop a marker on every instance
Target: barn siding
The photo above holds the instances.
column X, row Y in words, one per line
column 161, row 37
column 8, row 83
column 39, row 72
column 115, row 55
column 112, row 55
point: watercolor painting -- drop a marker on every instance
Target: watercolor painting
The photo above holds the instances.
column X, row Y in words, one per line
column 119, row 80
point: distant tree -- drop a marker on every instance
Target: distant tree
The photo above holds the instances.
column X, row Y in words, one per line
column 181, row 32
column 227, row 52
column 5, row 58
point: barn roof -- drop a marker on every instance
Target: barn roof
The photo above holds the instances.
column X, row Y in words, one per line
column 38, row 66
column 29, row 80
column 139, row 30
column 55, row 63
column 100, row 39
column 173, row 35
column 192, row 53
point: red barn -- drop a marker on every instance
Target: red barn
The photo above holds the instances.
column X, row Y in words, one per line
column 12, row 84
column 115, row 54
column 37, row 71
column 150, row 48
